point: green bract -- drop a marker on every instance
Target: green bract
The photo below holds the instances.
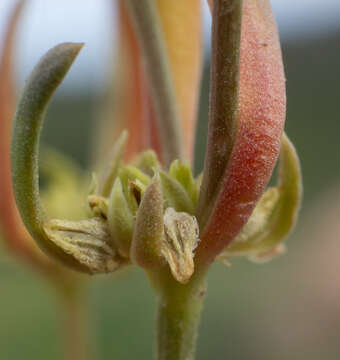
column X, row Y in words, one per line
column 275, row 214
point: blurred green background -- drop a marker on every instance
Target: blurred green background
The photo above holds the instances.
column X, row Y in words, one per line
column 267, row 312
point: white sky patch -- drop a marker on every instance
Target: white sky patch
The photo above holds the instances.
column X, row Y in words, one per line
column 47, row 23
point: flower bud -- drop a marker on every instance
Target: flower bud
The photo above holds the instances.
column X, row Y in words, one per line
column 146, row 247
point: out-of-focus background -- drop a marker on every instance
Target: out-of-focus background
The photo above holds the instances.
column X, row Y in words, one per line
column 287, row 309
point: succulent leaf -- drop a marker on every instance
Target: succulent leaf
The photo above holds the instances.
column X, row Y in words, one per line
column 120, row 219
column 147, row 162
column 111, row 171
column 135, row 174
column 183, row 174
column 39, row 88
column 175, row 195
column 252, row 150
column 275, row 214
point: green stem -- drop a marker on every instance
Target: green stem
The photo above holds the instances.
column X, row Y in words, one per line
column 157, row 67
column 73, row 325
column 178, row 319
column 224, row 99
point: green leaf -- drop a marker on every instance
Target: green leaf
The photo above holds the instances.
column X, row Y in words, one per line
column 111, row 172
column 126, row 186
column 175, row 194
column 275, row 215
column 147, row 162
column 136, row 174
column 183, row 174
column 38, row 90
column 120, row 219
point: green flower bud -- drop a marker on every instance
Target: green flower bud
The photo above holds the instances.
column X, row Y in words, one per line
column 148, row 235
column 98, row 205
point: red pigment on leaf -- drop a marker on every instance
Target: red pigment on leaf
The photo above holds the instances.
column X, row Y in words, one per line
column 261, row 116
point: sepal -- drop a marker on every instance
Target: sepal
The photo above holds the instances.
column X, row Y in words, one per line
column 180, row 240
column 88, row 242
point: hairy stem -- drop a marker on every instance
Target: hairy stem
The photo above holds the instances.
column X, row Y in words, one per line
column 178, row 318
column 224, row 98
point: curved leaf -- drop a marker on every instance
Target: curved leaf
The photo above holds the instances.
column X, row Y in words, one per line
column 115, row 162
column 39, row 88
column 234, row 182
